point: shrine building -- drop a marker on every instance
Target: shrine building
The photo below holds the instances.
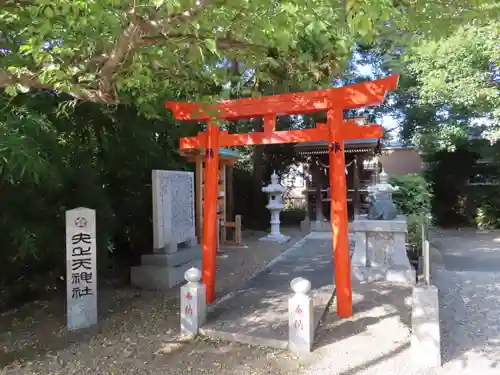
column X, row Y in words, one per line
column 362, row 168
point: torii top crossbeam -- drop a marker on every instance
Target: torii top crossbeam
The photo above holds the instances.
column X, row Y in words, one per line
column 363, row 94
column 333, row 101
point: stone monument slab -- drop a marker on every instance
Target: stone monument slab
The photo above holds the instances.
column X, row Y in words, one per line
column 81, row 272
column 172, row 259
column 175, row 247
column 173, row 210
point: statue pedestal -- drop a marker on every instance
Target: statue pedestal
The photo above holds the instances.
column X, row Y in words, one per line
column 380, row 250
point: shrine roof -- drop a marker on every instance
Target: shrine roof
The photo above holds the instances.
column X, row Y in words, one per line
column 347, row 142
column 229, row 153
column 351, row 145
column 224, row 153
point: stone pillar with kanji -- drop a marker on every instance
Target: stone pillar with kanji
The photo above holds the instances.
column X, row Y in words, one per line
column 193, row 303
column 81, row 268
column 301, row 317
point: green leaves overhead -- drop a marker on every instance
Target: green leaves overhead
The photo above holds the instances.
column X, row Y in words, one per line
column 460, row 69
column 113, row 51
column 457, row 87
column 211, row 44
column 119, row 51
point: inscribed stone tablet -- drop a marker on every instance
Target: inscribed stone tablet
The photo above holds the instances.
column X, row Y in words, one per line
column 173, row 207
column 81, row 272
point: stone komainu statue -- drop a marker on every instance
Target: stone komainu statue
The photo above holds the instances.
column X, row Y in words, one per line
column 381, row 206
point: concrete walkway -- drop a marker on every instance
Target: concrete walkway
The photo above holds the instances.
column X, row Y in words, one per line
column 467, row 273
column 258, row 312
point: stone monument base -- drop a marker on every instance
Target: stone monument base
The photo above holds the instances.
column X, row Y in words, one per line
column 380, row 251
column 392, row 275
column 279, row 238
column 164, row 271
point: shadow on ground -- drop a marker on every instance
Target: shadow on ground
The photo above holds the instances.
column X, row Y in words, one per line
column 469, row 297
column 374, row 303
column 260, row 308
column 137, row 330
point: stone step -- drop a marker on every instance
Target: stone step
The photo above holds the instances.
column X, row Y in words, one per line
column 172, row 259
column 153, row 277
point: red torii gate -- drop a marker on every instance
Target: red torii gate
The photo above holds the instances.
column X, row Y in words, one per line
column 334, row 101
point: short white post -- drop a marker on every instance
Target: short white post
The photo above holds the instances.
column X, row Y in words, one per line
column 193, row 302
column 300, row 317
column 427, row 264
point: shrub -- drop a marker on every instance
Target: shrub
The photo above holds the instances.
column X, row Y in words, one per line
column 488, row 210
column 414, row 200
column 91, row 157
column 414, row 239
column 292, row 217
column 414, row 194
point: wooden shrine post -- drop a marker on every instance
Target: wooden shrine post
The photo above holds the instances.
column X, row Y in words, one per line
column 334, row 102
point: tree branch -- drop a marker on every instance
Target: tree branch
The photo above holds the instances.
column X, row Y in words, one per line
column 26, row 79
column 126, row 45
column 133, row 37
column 29, row 79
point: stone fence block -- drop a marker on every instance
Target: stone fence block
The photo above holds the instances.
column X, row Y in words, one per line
column 300, row 317
column 193, row 302
column 425, row 335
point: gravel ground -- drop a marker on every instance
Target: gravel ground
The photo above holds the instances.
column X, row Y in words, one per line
column 468, row 279
column 470, row 327
column 469, row 295
column 138, row 332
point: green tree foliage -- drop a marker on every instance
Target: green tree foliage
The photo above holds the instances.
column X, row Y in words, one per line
column 120, row 50
column 448, row 86
column 112, row 50
column 461, row 70
column 414, row 194
column 459, row 77
column 448, row 96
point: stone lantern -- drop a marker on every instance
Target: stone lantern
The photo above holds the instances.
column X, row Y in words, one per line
column 275, row 205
